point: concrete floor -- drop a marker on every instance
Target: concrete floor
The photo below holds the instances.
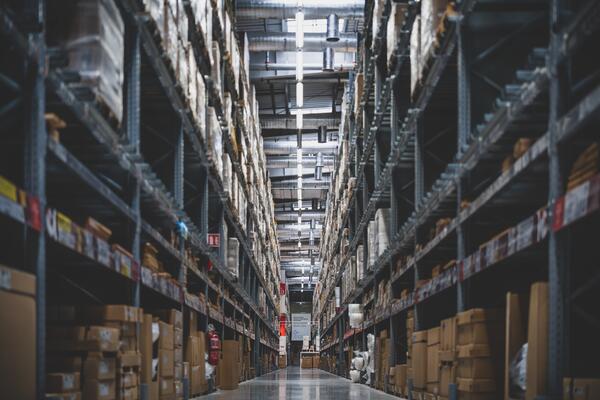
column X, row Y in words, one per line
column 300, row 384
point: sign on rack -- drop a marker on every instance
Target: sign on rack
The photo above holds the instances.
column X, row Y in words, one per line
column 214, row 240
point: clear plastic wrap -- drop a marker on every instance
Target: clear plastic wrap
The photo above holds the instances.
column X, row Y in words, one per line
column 233, row 256
column 95, row 50
column 415, row 54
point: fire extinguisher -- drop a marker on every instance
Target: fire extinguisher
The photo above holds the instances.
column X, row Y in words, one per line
column 214, row 346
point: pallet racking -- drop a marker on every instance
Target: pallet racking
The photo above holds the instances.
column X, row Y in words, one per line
column 500, row 72
column 139, row 182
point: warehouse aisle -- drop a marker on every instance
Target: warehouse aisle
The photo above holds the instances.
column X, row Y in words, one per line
column 300, row 384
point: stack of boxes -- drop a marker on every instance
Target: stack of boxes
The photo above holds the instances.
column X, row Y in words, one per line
column 174, row 318
column 447, row 356
column 166, row 361
column 195, row 350
column 433, row 362
column 480, row 353
column 17, row 332
column 419, row 363
column 101, row 358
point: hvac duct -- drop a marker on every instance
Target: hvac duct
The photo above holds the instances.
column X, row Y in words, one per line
column 290, row 122
column 312, row 9
column 319, row 167
column 299, row 139
column 286, row 41
column 291, row 161
column 286, row 148
column 268, row 66
column 322, row 134
column 328, row 57
column 333, row 28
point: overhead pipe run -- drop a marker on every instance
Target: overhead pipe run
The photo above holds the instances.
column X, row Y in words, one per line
column 328, row 57
column 322, row 134
column 286, row 148
column 333, row 28
column 289, row 122
column 286, row 41
column 312, row 9
column 319, row 167
column 269, row 66
column 291, row 161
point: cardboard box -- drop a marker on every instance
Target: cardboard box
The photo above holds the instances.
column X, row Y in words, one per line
column 172, row 317
column 537, row 338
column 167, row 386
column 282, row 361
column 166, row 363
column 448, row 336
column 419, row 359
column 433, row 360
column 400, row 379
column 479, row 326
column 99, row 390
column 192, row 351
column 178, row 337
column 128, row 380
column 63, row 382
column 146, row 349
column 17, row 333
column 229, row 362
column 113, row 312
column 476, row 368
column 98, row 367
column 447, row 376
column 306, row 362
column 165, row 339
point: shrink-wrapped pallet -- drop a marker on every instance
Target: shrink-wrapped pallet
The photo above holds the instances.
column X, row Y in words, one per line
column 215, row 140
column 233, row 256
column 382, row 217
column 372, row 243
column 431, row 14
column 394, row 27
column 415, row 54
column 95, row 50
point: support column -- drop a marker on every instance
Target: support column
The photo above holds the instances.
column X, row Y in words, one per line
column 558, row 345
column 463, row 132
column 35, row 175
column 419, row 193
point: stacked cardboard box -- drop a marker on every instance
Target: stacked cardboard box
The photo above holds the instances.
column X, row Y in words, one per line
column 400, row 383
column 433, row 361
column 175, row 319
column 394, row 28
column 447, row 355
column 194, row 355
column 419, row 361
column 166, row 361
column 124, row 319
column 17, row 333
column 229, row 369
column 480, row 356
column 410, row 329
column 581, row 389
column 586, row 166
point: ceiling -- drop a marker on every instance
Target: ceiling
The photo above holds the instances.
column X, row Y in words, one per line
column 273, row 73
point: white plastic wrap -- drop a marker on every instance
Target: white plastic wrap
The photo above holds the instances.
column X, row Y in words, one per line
column 95, row 50
column 382, row 217
column 355, row 375
column 415, row 54
column 233, row 256
column 372, row 237
column 394, row 27
column 360, row 268
column 431, row 13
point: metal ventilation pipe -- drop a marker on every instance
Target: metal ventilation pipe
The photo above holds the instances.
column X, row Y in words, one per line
column 328, row 56
column 313, row 9
column 322, row 134
column 286, row 41
column 319, row 167
column 269, row 66
column 315, row 204
column 333, row 28
column 299, row 138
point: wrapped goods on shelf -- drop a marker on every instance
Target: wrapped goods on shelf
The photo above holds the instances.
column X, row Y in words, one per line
column 382, row 218
column 227, row 171
column 394, row 27
column 215, row 67
column 201, row 104
column 182, row 71
column 360, row 268
column 378, row 7
column 215, row 144
column 95, row 46
column 233, row 256
column 431, row 15
column 372, row 243
column 170, row 38
column 415, row 54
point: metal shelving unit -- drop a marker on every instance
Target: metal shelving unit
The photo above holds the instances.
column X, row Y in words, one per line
column 531, row 95
column 120, row 183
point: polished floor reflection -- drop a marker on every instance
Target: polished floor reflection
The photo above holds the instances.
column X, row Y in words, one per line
column 300, row 384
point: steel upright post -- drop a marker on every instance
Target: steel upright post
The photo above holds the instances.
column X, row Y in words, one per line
column 35, row 174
